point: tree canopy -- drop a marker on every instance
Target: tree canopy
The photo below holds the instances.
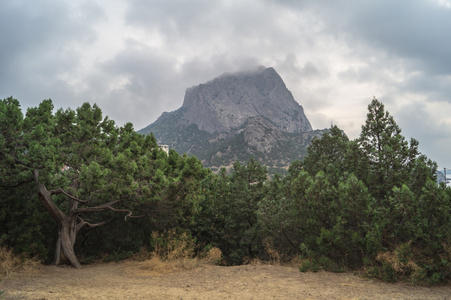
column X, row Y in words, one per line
column 81, row 164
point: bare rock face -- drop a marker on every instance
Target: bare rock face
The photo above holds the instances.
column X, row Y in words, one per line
column 227, row 102
column 261, row 135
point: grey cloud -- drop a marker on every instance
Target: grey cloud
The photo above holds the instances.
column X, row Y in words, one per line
column 416, row 122
column 37, row 45
column 412, row 36
column 224, row 26
column 310, row 70
column 435, row 89
column 147, row 88
column 176, row 19
column 414, row 29
column 154, row 84
column 298, row 69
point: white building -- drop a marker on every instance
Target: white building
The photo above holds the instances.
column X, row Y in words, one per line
column 165, row 148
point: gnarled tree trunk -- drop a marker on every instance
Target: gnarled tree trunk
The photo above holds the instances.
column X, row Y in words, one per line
column 70, row 225
column 57, row 259
column 64, row 241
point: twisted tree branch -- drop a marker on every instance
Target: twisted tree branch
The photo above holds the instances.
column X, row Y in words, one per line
column 61, row 191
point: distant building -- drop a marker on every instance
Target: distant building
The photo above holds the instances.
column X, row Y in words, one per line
column 441, row 177
column 165, row 148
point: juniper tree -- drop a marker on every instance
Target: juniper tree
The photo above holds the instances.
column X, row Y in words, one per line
column 78, row 161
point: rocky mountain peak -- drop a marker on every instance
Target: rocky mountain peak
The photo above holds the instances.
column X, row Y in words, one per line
column 236, row 116
column 228, row 101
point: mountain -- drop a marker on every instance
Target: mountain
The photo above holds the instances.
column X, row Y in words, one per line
column 235, row 116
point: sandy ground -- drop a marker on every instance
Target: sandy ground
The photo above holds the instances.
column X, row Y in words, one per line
column 135, row 280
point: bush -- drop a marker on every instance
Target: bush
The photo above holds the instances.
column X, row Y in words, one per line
column 174, row 251
column 406, row 262
column 309, row 265
column 170, row 245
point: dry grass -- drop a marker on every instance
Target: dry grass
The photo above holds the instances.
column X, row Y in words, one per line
column 393, row 260
column 401, row 261
column 175, row 252
column 274, row 256
column 212, row 257
column 11, row 264
column 170, row 245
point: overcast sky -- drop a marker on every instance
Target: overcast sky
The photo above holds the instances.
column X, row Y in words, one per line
column 136, row 58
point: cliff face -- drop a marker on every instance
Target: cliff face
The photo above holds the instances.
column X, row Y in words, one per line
column 261, row 135
column 235, row 116
column 227, row 102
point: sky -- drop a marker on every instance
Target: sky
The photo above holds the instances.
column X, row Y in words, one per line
column 136, row 58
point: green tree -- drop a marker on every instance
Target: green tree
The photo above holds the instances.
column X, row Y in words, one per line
column 350, row 201
column 282, row 213
column 388, row 156
column 227, row 217
column 24, row 222
column 328, row 154
column 76, row 162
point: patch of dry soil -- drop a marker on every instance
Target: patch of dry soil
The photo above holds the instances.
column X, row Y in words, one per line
column 134, row 280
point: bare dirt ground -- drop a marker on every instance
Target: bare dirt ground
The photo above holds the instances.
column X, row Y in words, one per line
column 135, row 280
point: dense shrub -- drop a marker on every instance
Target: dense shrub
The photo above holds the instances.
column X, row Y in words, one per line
column 371, row 203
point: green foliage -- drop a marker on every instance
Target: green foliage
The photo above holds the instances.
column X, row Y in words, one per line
column 389, row 158
column 26, row 226
column 328, row 154
column 309, row 265
column 370, row 203
column 24, row 222
column 227, row 217
column 89, row 158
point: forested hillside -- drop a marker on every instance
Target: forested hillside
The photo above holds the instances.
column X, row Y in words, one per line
column 74, row 183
